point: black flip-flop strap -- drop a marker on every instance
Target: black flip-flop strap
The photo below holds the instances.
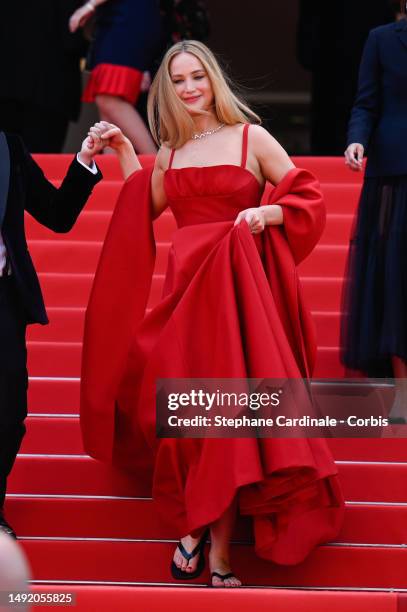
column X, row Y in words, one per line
column 188, row 556
column 223, row 576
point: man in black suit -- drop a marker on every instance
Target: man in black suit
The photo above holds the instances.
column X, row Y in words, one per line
column 23, row 186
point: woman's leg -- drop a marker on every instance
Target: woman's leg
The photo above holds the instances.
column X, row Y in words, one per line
column 189, row 544
column 221, row 533
column 399, row 408
column 120, row 112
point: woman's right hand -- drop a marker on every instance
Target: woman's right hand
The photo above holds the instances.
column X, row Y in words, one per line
column 354, row 156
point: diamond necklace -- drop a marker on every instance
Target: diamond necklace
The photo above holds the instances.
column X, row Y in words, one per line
column 208, row 133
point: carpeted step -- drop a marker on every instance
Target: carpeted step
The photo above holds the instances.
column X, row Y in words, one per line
column 369, row 449
column 92, row 225
column 48, row 395
column 66, row 324
column 95, row 517
column 71, row 256
column 327, row 364
column 327, row 326
column 105, row 598
column 81, row 475
column 53, row 434
column 72, row 291
column 134, row 561
column 75, row 475
column 57, row 359
column 338, row 228
column 325, row 260
column 66, row 290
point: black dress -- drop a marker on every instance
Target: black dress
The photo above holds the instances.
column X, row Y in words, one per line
column 374, row 307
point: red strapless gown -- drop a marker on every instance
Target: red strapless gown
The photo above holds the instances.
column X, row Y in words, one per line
column 219, row 319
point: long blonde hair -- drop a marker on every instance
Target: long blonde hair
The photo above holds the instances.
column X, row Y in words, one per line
column 168, row 117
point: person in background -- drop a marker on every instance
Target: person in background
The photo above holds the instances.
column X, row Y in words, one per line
column 330, row 41
column 127, row 37
column 40, row 84
column 374, row 324
column 23, row 186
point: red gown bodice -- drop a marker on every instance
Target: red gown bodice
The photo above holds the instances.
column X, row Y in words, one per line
column 211, row 193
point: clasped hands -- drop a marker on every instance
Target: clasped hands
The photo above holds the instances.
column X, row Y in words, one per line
column 100, row 136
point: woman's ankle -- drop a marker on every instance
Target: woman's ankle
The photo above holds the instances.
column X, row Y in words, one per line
column 219, row 556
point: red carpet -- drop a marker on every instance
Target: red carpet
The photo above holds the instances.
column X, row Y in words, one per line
column 85, row 526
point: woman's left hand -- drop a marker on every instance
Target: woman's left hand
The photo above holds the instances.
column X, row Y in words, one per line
column 254, row 218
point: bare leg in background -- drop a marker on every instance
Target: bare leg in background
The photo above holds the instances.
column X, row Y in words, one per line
column 126, row 117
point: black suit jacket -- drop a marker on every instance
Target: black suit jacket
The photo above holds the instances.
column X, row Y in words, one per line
column 379, row 115
column 55, row 208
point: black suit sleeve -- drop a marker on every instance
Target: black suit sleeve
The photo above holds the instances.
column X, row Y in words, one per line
column 57, row 208
column 366, row 109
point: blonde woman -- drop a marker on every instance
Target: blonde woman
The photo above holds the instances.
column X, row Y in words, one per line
column 231, row 308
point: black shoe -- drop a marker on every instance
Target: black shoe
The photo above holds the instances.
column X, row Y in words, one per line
column 178, row 573
column 6, row 528
column 223, row 577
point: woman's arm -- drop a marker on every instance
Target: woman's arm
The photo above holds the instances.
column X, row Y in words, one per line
column 110, row 135
column 274, row 163
column 80, row 17
column 157, row 181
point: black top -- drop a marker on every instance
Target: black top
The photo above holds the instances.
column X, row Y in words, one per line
column 379, row 115
column 55, row 208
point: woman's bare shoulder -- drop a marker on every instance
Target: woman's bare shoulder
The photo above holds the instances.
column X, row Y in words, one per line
column 262, row 137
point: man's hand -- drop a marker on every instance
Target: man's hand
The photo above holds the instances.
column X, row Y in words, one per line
column 354, row 156
column 101, row 135
column 89, row 149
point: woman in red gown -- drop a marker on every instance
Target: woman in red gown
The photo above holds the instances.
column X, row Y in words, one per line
column 231, row 308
